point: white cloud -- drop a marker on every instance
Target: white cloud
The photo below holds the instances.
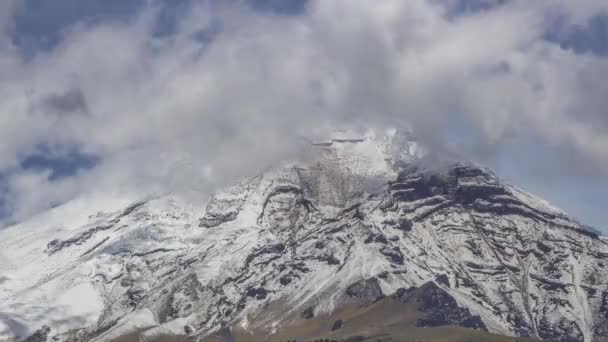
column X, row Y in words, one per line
column 162, row 112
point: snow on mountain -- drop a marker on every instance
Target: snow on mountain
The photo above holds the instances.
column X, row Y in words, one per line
column 293, row 240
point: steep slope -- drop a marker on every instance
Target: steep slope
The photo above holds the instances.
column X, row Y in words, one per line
column 426, row 313
column 294, row 240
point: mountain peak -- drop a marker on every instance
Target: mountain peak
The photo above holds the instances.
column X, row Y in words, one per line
column 299, row 241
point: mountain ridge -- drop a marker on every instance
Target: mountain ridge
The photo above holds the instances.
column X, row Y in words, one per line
column 298, row 237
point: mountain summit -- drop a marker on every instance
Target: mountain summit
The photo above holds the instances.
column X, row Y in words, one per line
column 363, row 241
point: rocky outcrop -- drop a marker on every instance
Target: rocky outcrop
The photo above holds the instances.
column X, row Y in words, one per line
column 225, row 206
column 439, row 309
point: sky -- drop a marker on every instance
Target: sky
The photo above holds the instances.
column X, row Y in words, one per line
column 172, row 95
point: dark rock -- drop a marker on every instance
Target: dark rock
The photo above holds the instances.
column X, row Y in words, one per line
column 53, row 246
column 132, row 208
column 126, row 282
column 135, row 296
column 332, row 260
column 337, row 325
column 358, row 215
column 40, row 335
column 258, row 293
column 405, row 225
column 215, row 219
column 544, row 248
column 441, row 309
column 394, row 255
column 442, row 279
column 376, row 238
column 367, row 290
column 286, row 280
column 308, row 313
column 56, row 245
column 402, row 292
column 563, row 331
column 181, row 299
column 272, row 249
column 187, row 330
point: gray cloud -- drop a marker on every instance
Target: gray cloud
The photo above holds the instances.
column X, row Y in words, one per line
column 177, row 112
column 69, row 102
column 8, row 9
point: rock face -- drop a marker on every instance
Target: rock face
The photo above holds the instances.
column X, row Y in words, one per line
column 441, row 309
column 362, row 222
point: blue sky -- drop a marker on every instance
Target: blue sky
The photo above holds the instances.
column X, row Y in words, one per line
column 40, row 25
column 554, row 163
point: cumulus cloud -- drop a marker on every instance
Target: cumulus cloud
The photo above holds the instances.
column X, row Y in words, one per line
column 230, row 90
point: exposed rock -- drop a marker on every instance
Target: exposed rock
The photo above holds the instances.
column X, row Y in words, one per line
column 41, row 335
column 442, row 309
column 308, row 313
column 367, row 290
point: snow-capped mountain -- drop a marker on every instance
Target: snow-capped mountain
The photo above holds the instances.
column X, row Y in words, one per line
column 365, row 220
